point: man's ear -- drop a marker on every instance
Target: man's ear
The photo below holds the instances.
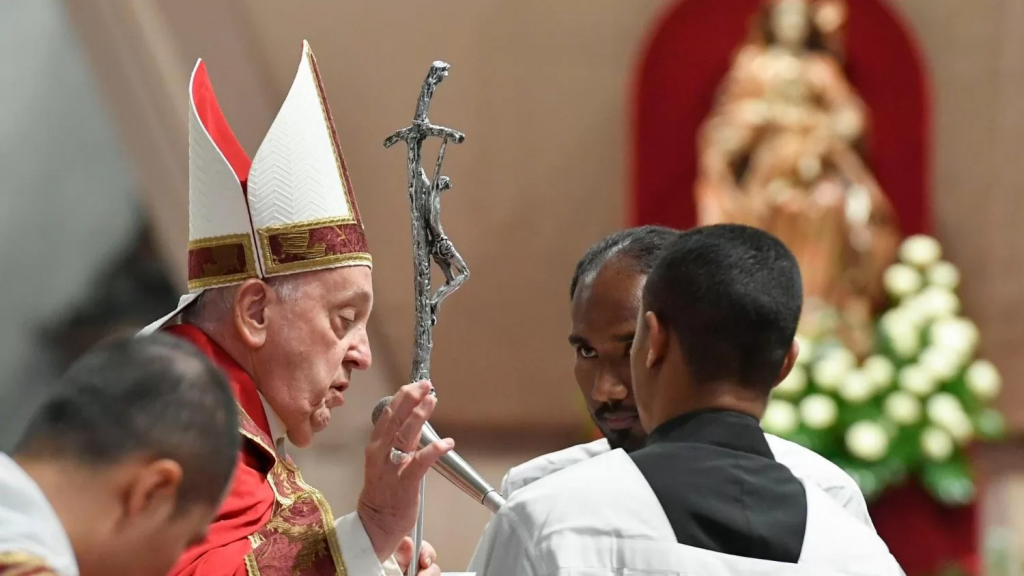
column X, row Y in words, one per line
column 788, row 363
column 152, row 489
column 249, row 311
column 657, row 340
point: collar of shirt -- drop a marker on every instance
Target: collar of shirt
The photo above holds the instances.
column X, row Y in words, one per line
column 28, row 524
column 714, row 427
column 278, row 431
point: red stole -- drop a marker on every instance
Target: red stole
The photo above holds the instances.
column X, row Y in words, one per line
column 22, row 564
column 271, row 522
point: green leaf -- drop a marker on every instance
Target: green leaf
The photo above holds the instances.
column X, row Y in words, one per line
column 949, row 482
column 868, row 478
column 990, row 424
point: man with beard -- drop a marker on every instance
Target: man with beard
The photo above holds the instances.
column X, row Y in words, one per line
column 280, row 295
column 605, row 300
column 705, row 495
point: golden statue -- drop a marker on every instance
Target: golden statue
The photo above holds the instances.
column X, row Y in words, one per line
column 780, row 151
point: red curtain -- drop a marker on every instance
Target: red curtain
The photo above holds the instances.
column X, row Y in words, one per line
column 688, row 53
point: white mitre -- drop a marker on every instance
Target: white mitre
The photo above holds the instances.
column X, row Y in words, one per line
column 290, row 209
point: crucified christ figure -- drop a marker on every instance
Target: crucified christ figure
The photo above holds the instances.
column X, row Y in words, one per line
column 441, row 248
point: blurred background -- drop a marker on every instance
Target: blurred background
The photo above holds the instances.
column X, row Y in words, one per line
column 582, row 117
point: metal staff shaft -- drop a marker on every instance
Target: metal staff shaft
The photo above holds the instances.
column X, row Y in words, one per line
column 428, row 241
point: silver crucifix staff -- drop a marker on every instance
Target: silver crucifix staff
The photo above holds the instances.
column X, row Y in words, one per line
column 428, row 242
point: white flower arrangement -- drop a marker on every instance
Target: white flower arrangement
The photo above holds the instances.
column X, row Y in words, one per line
column 818, row 411
column 944, row 275
column 901, row 280
column 794, row 384
column 867, row 440
column 936, row 444
column 856, row 387
column 917, row 380
column 920, row 251
column 903, row 408
column 914, row 402
column 983, row 380
column 780, row 418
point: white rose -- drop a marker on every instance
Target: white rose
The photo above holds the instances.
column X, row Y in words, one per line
column 880, row 371
column 901, row 281
column 920, row 250
column 902, row 408
column 917, row 380
column 818, row 411
column 780, row 418
column 934, row 302
column 905, row 339
column 842, row 355
column 955, row 334
column 944, row 275
column 806, row 350
column 960, row 428
column 856, row 387
column 902, row 316
column 943, row 407
column 943, row 364
column 867, row 440
column 983, row 380
column 794, row 384
column 936, row 444
column 829, row 372
column 945, row 410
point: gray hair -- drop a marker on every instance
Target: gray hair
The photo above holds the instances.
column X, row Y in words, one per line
column 213, row 307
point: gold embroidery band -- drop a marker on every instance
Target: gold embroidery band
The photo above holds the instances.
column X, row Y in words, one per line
column 23, row 564
column 251, row 567
column 220, row 261
column 313, row 245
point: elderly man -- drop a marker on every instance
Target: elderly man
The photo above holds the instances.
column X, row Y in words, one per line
column 122, row 467
column 279, row 297
column 705, row 495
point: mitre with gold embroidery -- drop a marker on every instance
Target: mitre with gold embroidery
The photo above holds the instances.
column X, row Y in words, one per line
column 290, row 209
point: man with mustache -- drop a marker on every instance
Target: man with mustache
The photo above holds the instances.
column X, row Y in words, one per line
column 605, row 299
column 280, row 294
column 706, row 495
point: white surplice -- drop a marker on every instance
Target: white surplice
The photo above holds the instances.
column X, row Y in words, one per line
column 805, row 464
column 29, row 527
column 600, row 517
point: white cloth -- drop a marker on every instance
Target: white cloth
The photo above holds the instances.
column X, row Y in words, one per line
column 803, row 463
column 601, row 518
column 356, row 548
column 28, row 524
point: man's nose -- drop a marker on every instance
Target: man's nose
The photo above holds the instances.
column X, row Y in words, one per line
column 360, row 357
column 608, row 387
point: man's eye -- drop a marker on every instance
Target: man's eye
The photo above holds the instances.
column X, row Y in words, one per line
column 586, row 352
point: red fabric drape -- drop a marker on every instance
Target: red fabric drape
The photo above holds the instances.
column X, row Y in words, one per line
column 687, row 55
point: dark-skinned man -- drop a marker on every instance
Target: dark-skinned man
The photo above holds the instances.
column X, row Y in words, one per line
column 705, row 494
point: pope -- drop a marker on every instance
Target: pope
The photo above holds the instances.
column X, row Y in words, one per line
column 280, row 293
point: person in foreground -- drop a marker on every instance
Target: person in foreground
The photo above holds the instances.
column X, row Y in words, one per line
column 122, row 467
column 705, row 495
column 280, row 294
column 605, row 300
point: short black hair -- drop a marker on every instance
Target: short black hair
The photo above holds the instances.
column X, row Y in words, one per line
column 732, row 295
column 640, row 246
column 154, row 395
